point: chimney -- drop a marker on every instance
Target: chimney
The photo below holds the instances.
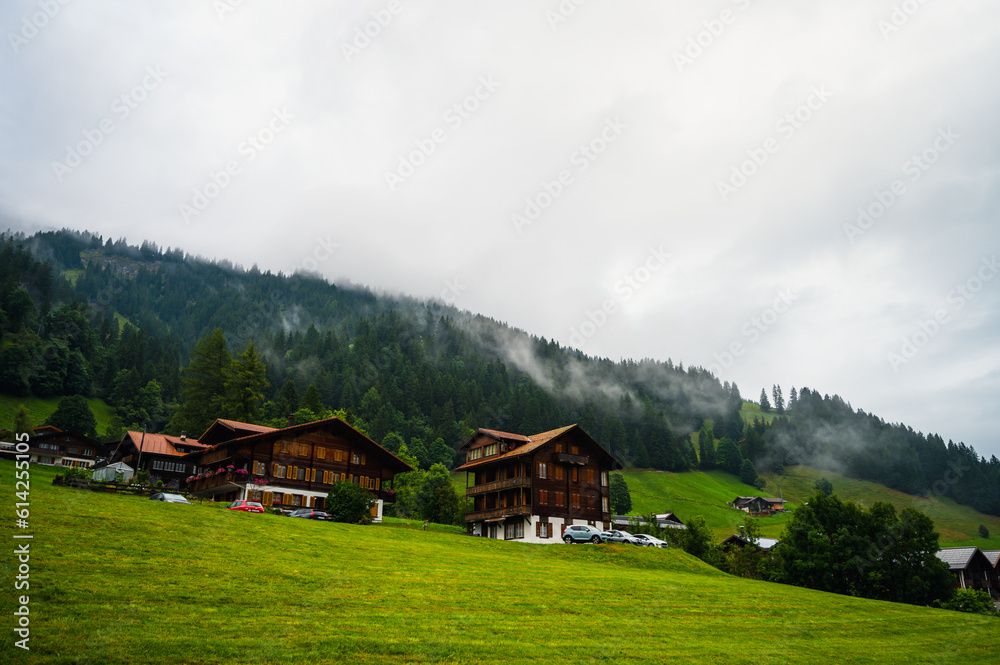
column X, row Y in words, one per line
column 743, row 533
column 184, row 436
column 291, row 419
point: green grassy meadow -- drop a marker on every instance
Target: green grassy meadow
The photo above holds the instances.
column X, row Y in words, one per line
column 117, row 579
column 41, row 408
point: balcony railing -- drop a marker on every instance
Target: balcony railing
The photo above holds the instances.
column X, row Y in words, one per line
column 568, row 458
column 510, row 511
column 496, row 486
column 228, row 478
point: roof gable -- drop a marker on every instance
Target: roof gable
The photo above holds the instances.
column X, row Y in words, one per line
column 961, row 558
column 533, row 443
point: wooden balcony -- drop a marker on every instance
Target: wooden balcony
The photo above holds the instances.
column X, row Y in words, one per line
column 567, row 458
column 496, row 486
column 496, row 513
column 218, row 484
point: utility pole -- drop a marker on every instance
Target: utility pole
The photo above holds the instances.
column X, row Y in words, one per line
column 138, row 463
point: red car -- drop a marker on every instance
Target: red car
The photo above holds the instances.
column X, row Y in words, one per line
column 246, row 506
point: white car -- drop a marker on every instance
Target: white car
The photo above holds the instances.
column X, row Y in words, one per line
column 650, row 541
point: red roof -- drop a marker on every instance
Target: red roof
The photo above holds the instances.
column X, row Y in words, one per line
column 235, row 424
column 496, row 434
column 535, row 442
column 161, row 444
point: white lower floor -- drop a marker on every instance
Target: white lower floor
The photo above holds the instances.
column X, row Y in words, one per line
column 295, row 498
column 530, row 528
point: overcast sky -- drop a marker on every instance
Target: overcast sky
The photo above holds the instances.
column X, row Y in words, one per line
column 635, row 179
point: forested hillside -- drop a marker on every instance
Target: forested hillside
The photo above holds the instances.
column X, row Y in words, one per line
column 171, row 341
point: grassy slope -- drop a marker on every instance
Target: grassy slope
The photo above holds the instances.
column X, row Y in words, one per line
column 697, row 493
column 958, row 525
column 126, row 580
column 41, row 408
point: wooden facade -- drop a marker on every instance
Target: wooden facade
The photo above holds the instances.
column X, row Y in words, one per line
column 292, row 467
column 972, row 569
column 167, row 458
column 758, row 506
column 50, row 445
column 532, row 487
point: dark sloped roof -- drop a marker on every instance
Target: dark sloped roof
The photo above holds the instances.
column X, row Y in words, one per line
column 993, row 556
column 957, row 558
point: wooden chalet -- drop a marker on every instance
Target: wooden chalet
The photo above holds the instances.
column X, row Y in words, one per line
column 758, row 505
column 532, row 487
column 292, row 467
column 165, row 457
column 972, row 569
column 741, row 541
column 51, row 445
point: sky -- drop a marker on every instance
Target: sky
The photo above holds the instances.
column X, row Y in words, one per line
column 800, row 194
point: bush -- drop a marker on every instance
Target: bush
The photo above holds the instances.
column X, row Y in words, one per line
column 350, row 503
column 78, row 472
column 748, row 473
column 975, row 601
column 983, row 531
column 141, row 478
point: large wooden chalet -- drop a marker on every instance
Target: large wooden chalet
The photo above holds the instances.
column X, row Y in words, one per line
column 972, row 568
column 294, row 466
column 532, row 487
column 51, row 445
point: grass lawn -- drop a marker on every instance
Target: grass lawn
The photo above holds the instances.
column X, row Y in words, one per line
column 41, row 408
column 118, row 579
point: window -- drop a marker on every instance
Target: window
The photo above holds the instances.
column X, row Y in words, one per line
column 576, row 499
column 474, row 454
column 88, row 452
column 559, row 448
column 543, row 470
column 304, row 449
column 320, row 452
column 543, row 497
column 590, row 476
column 48, row 446
column 604, row 504
column 157, row 465
column 296, row 500
column 357, row 458
column 575, row 450
column 544, row 530
column 258, row 468
column 576, row 475
column 559, row 472
column 559, row 499
column 604, row 478
column 72, row 450
column 284, row 447
column 490, row 449
column 513, row 531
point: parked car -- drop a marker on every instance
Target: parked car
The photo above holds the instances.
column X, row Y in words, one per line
column 246, row 506
column 168, row 497
column 582, row 533
column 650, row 541
column 311, row 514
column 617, row 536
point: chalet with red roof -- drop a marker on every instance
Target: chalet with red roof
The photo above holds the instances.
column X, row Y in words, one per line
column 51, row 445
column 531, row 488
column 294, row 466
column 165, row 457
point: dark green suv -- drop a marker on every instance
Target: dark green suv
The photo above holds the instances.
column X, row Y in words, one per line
column 582, row 533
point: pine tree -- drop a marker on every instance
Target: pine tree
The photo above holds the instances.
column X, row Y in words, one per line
column 244, row 386
column 203, row 385
column 793, row 397
column 311, row 400
column 765, row 404
column 706, row 447
column 779, row 400
column 621, row 500
column 22, row 421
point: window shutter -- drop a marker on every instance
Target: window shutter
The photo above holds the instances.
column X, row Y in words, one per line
column 538, row 529
column 267, row 498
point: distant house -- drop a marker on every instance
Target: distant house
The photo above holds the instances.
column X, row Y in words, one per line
column 667, row 520
column 50, row 445
column 294, row 466
column 741, row 541
column 758, row 505
column 972, row 568
column 531, row 488
column 165, row 457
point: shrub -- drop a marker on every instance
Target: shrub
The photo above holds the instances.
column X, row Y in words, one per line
column 983, row 531
column 349, row 503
